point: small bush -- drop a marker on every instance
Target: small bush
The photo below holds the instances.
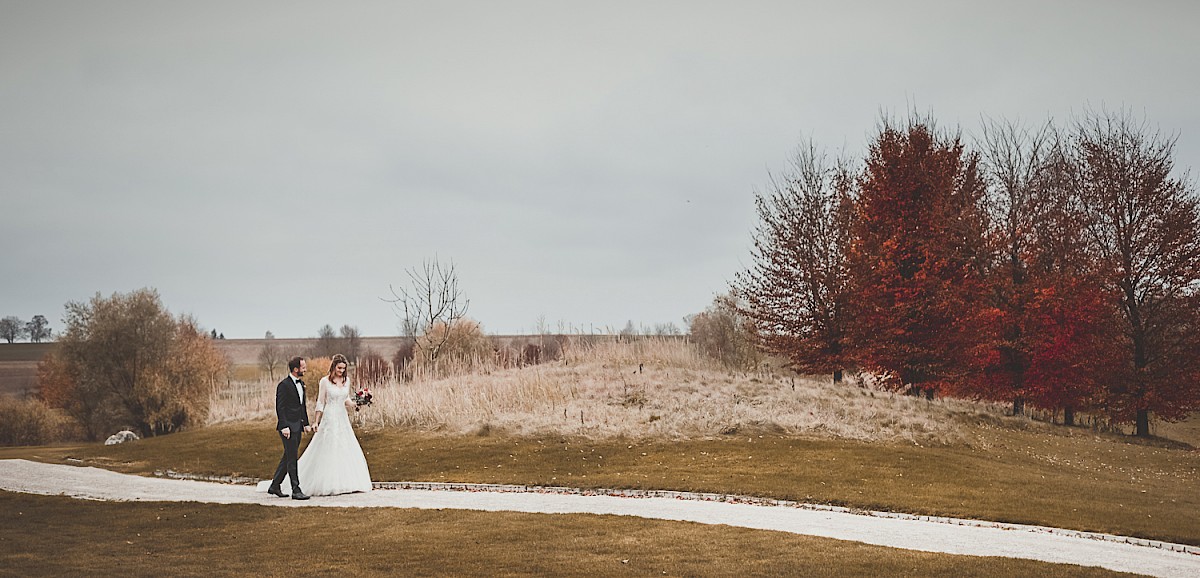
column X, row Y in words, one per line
column 460, row 348
column 722, row 333
column 552, row 347
column 316, row 368
column 29, row 422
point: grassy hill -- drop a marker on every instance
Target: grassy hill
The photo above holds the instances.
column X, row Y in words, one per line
column 646, row 415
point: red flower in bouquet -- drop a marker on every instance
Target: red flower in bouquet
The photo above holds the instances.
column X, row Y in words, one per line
column 362, row 397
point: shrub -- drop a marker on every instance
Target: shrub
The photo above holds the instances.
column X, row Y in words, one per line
column 30, row 422
column 317, row 367
column 460, row 347
column 125, row 361
column 725, row 335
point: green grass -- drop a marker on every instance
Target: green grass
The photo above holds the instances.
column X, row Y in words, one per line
column 55, row 536
column 1058, row 477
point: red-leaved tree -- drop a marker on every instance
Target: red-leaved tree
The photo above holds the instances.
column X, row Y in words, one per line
column 918, row 258
column 1143, row 225
column 1014, row 162
column 797, row 291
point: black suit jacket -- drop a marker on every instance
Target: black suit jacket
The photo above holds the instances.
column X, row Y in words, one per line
column 289, row 408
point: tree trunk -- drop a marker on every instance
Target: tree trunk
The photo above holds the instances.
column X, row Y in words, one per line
column 1018, row 406
column 1143, row 423
column 1068, row 416
column 837, row 376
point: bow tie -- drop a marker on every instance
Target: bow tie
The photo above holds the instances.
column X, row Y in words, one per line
column 300, row 381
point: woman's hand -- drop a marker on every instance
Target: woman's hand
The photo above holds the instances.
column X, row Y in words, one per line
column 350, row 405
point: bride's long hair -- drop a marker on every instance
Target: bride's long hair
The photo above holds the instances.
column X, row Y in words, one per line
column 339, row 358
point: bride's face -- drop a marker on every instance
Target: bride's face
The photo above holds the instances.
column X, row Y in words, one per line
column 339, row 370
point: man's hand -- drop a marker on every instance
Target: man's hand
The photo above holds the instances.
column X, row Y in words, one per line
column 287, row 432
column 308, row 428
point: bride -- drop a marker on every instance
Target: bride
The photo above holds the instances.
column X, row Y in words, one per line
column 333, row 463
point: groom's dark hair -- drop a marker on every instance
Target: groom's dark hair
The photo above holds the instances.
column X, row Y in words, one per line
column 294, row 363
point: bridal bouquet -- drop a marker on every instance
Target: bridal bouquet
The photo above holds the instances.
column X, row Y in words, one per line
column 362, row 397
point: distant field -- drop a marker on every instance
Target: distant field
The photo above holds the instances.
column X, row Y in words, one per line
column 23, row 351
column 18, row 377
column 18, row 366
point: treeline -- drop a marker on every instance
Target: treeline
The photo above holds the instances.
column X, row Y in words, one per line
column 36, row 330
column 1054, row 266
column 444, row 349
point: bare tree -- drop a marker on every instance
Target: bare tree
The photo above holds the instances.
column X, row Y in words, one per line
column 430, row 306
column 38, row 329
column 12, row 328
column 1015, row 160
column 327, row 342
column 351, row 341
column 1144, row 226
column 269, row 356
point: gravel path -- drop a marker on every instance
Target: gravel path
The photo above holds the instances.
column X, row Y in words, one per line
column 946, row 535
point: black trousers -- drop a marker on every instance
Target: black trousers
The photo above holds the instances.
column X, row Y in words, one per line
column 287, row 464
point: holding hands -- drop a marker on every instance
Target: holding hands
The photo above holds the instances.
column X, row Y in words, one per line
column 287, row 431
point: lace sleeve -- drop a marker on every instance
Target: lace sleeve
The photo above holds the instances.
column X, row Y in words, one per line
column 321, row 397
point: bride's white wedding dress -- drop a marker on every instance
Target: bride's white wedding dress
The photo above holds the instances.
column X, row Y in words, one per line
column 333, row 463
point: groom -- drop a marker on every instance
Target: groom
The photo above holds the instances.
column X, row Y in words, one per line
column 293, row 418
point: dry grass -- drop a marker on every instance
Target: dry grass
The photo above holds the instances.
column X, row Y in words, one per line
column 682, row 424
column 57, row 536
column 1187, row 431
column 645, row 389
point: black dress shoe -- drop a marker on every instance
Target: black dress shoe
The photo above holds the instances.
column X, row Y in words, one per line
column 298, row 495
column 275, row 491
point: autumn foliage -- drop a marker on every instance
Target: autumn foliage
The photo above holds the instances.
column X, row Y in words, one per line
column 797, row 294
column 1056, row 268
column 916, row 257
column 125, row 362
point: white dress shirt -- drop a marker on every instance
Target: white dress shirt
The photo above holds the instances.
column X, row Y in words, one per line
column 299, row 388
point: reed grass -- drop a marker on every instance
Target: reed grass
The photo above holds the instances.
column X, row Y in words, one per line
column 647, row 388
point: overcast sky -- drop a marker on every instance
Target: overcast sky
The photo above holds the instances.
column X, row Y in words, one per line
column 275, row 166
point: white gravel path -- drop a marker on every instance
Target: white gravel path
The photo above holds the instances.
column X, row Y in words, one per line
column 898, row 531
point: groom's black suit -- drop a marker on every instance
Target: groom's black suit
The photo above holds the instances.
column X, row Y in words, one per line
column 293, row 415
